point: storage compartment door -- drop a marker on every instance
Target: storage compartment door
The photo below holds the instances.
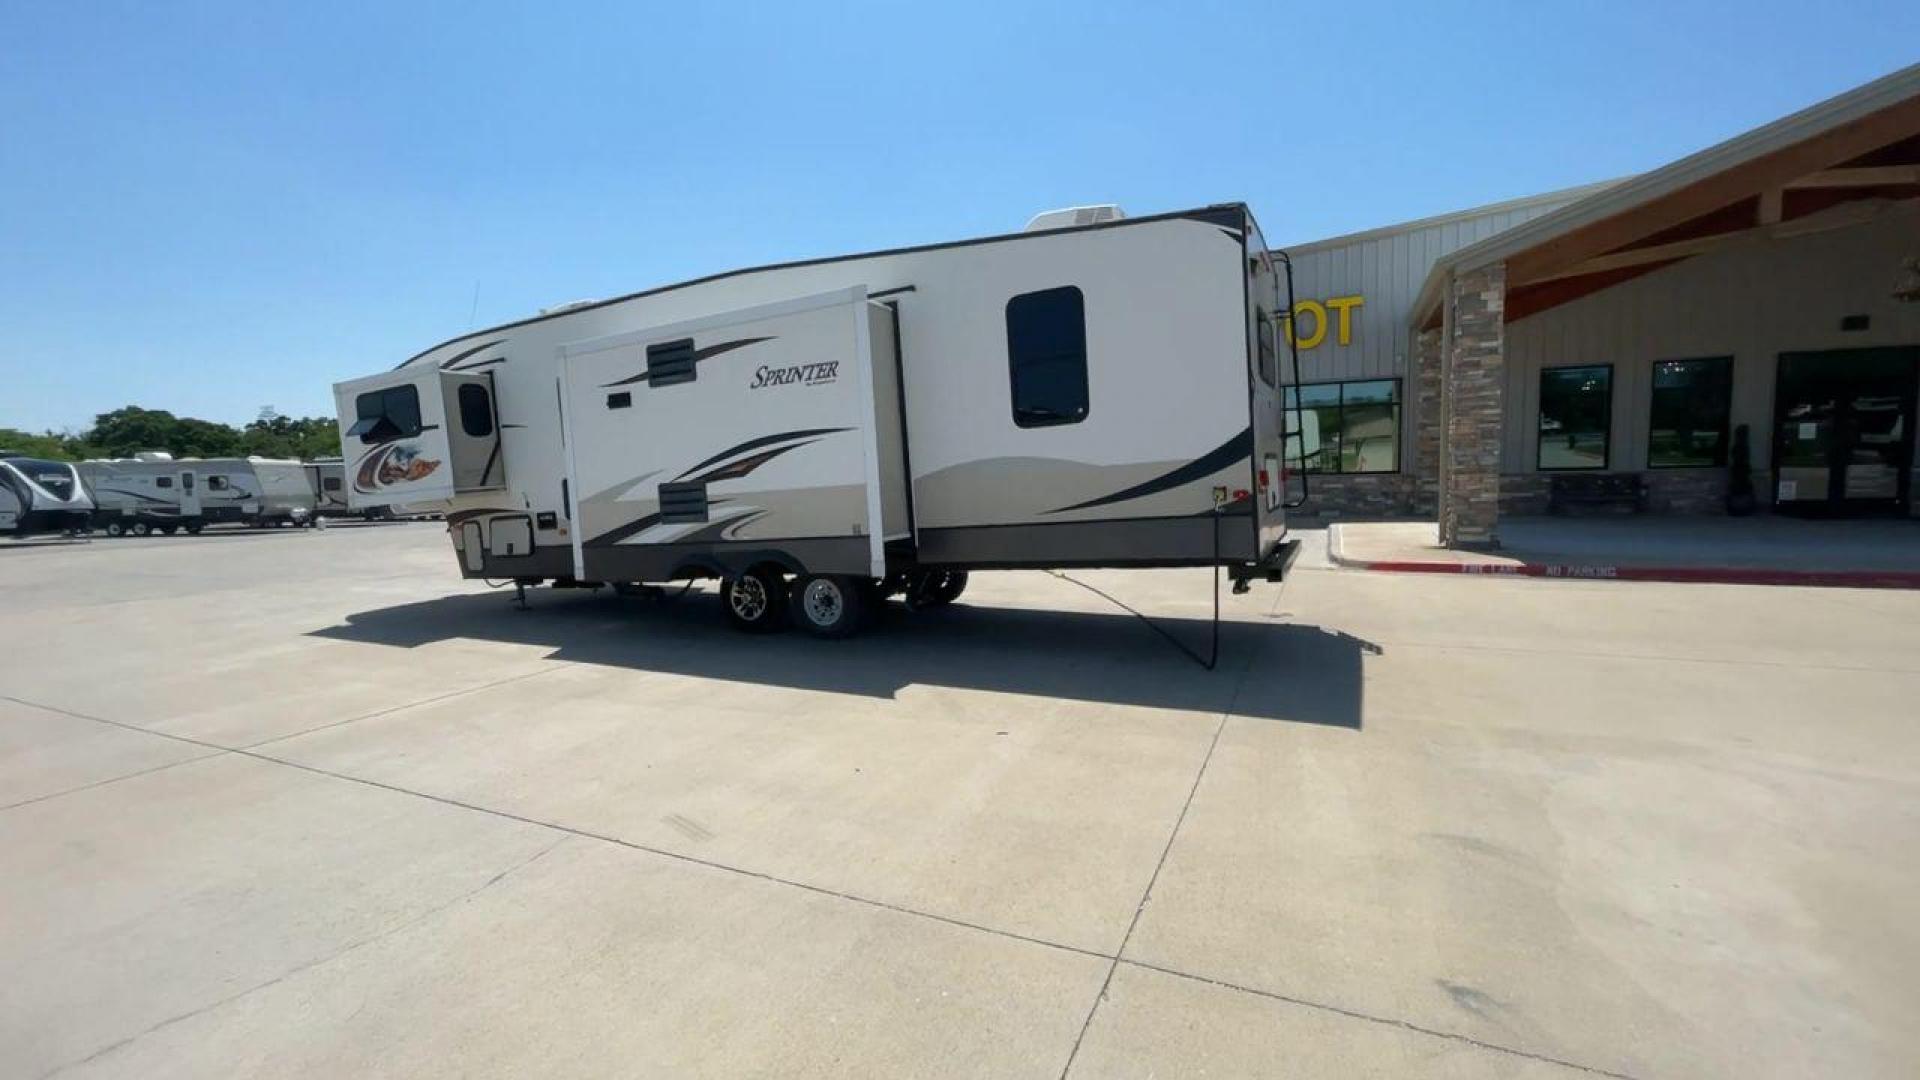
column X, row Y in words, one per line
column 393, row 436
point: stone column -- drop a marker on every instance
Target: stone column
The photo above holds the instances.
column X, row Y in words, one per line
column 1472, row 391
column 1424, row 462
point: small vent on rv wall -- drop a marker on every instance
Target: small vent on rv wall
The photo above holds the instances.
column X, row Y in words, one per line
column 1075, row 215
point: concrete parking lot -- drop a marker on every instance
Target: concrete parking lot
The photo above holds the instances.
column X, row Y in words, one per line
column 304, row 803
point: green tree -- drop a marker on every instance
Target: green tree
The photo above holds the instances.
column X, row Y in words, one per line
column 51, row 445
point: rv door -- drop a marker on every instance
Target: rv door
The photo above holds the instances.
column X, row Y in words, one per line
column 393, row 436
column 189, row 494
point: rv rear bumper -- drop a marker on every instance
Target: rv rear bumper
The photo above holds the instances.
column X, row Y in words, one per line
column 1272, row 568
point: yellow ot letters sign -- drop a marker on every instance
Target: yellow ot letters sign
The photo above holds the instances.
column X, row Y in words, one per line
column 1315, row 326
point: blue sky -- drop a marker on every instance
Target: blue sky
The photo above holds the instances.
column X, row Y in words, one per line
column 208, row 208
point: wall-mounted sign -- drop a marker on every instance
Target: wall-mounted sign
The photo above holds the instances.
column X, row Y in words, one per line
column 1314, row 324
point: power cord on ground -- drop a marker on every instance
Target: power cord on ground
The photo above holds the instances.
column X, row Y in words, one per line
column 1213, row 652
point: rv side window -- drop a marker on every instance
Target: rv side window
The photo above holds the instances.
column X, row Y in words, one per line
column 1047, row 357
column 1269, row 359
column 476, row 410
column 163, row 481
column 385, row 415
column 216, row 483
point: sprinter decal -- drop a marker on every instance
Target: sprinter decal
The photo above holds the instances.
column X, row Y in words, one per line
column 707, row 353
column 803, row 374
column 391, row 464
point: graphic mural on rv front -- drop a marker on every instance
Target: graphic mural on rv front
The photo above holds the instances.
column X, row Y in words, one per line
column 389, row 465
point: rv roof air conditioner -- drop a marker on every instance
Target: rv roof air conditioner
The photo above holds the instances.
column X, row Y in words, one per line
column 1075, row 215
column 152, row 455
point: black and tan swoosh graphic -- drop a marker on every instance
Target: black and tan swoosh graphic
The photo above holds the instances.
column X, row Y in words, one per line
column 1238, row 448
column 707, row 353
column 764, row 440
column 771, row 446
column 477, row 349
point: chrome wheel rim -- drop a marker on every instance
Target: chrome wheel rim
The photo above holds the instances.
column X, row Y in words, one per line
column 822, row 602
column 748, row 598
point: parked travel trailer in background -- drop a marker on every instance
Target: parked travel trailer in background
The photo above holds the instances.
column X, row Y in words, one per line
column 39, row 497
column 157, row 492
column 1094, row 391
column 327, row 478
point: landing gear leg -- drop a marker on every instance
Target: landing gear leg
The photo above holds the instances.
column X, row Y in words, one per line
column 520, row 595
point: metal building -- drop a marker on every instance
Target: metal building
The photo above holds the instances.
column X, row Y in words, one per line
column 1607, row 345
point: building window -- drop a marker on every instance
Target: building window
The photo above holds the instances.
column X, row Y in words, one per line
column 1047, row 357
column 476, row 411
column 1691, row 402
column 1350, row 427
column 1576, row 413
column 385, row 415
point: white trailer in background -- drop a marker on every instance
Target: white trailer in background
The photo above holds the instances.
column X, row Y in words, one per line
column 38, row 496
column 827, row 432
column 327, row 478
column 156, row 492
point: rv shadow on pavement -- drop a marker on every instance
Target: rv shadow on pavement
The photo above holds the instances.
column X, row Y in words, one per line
column 1295, row 673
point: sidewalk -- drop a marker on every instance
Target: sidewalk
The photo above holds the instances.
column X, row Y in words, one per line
column 1767, row 550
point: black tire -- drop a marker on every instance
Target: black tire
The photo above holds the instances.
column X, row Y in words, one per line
column 935, row 588
column 755, row 601
column 952, row 584
column 141, row 528
column 114, row 528
column 193, row 528
column 828, row 605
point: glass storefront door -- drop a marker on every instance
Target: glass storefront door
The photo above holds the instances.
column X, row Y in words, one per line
column 1843, row 430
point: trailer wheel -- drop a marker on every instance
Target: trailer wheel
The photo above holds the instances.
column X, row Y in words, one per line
column 194, row 527
column 114, row 528
column 756, row 601
column 141, row 528
column 828, row 605
column 935, row 588
column 952, row 584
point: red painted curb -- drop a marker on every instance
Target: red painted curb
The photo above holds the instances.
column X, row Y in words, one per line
column 1727, row 575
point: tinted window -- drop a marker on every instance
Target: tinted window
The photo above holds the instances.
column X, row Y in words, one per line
column 214, row 483
column 1269, row 362
column 476, row 410
column 1047, row 357
column 1351, row 427
column 1691, row 399
column 163, row 481
column 1576, row 411
column 393, row 413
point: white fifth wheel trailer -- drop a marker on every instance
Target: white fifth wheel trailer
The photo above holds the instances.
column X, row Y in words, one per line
column 820, row 432
column 38, row 496
column 156, row 492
